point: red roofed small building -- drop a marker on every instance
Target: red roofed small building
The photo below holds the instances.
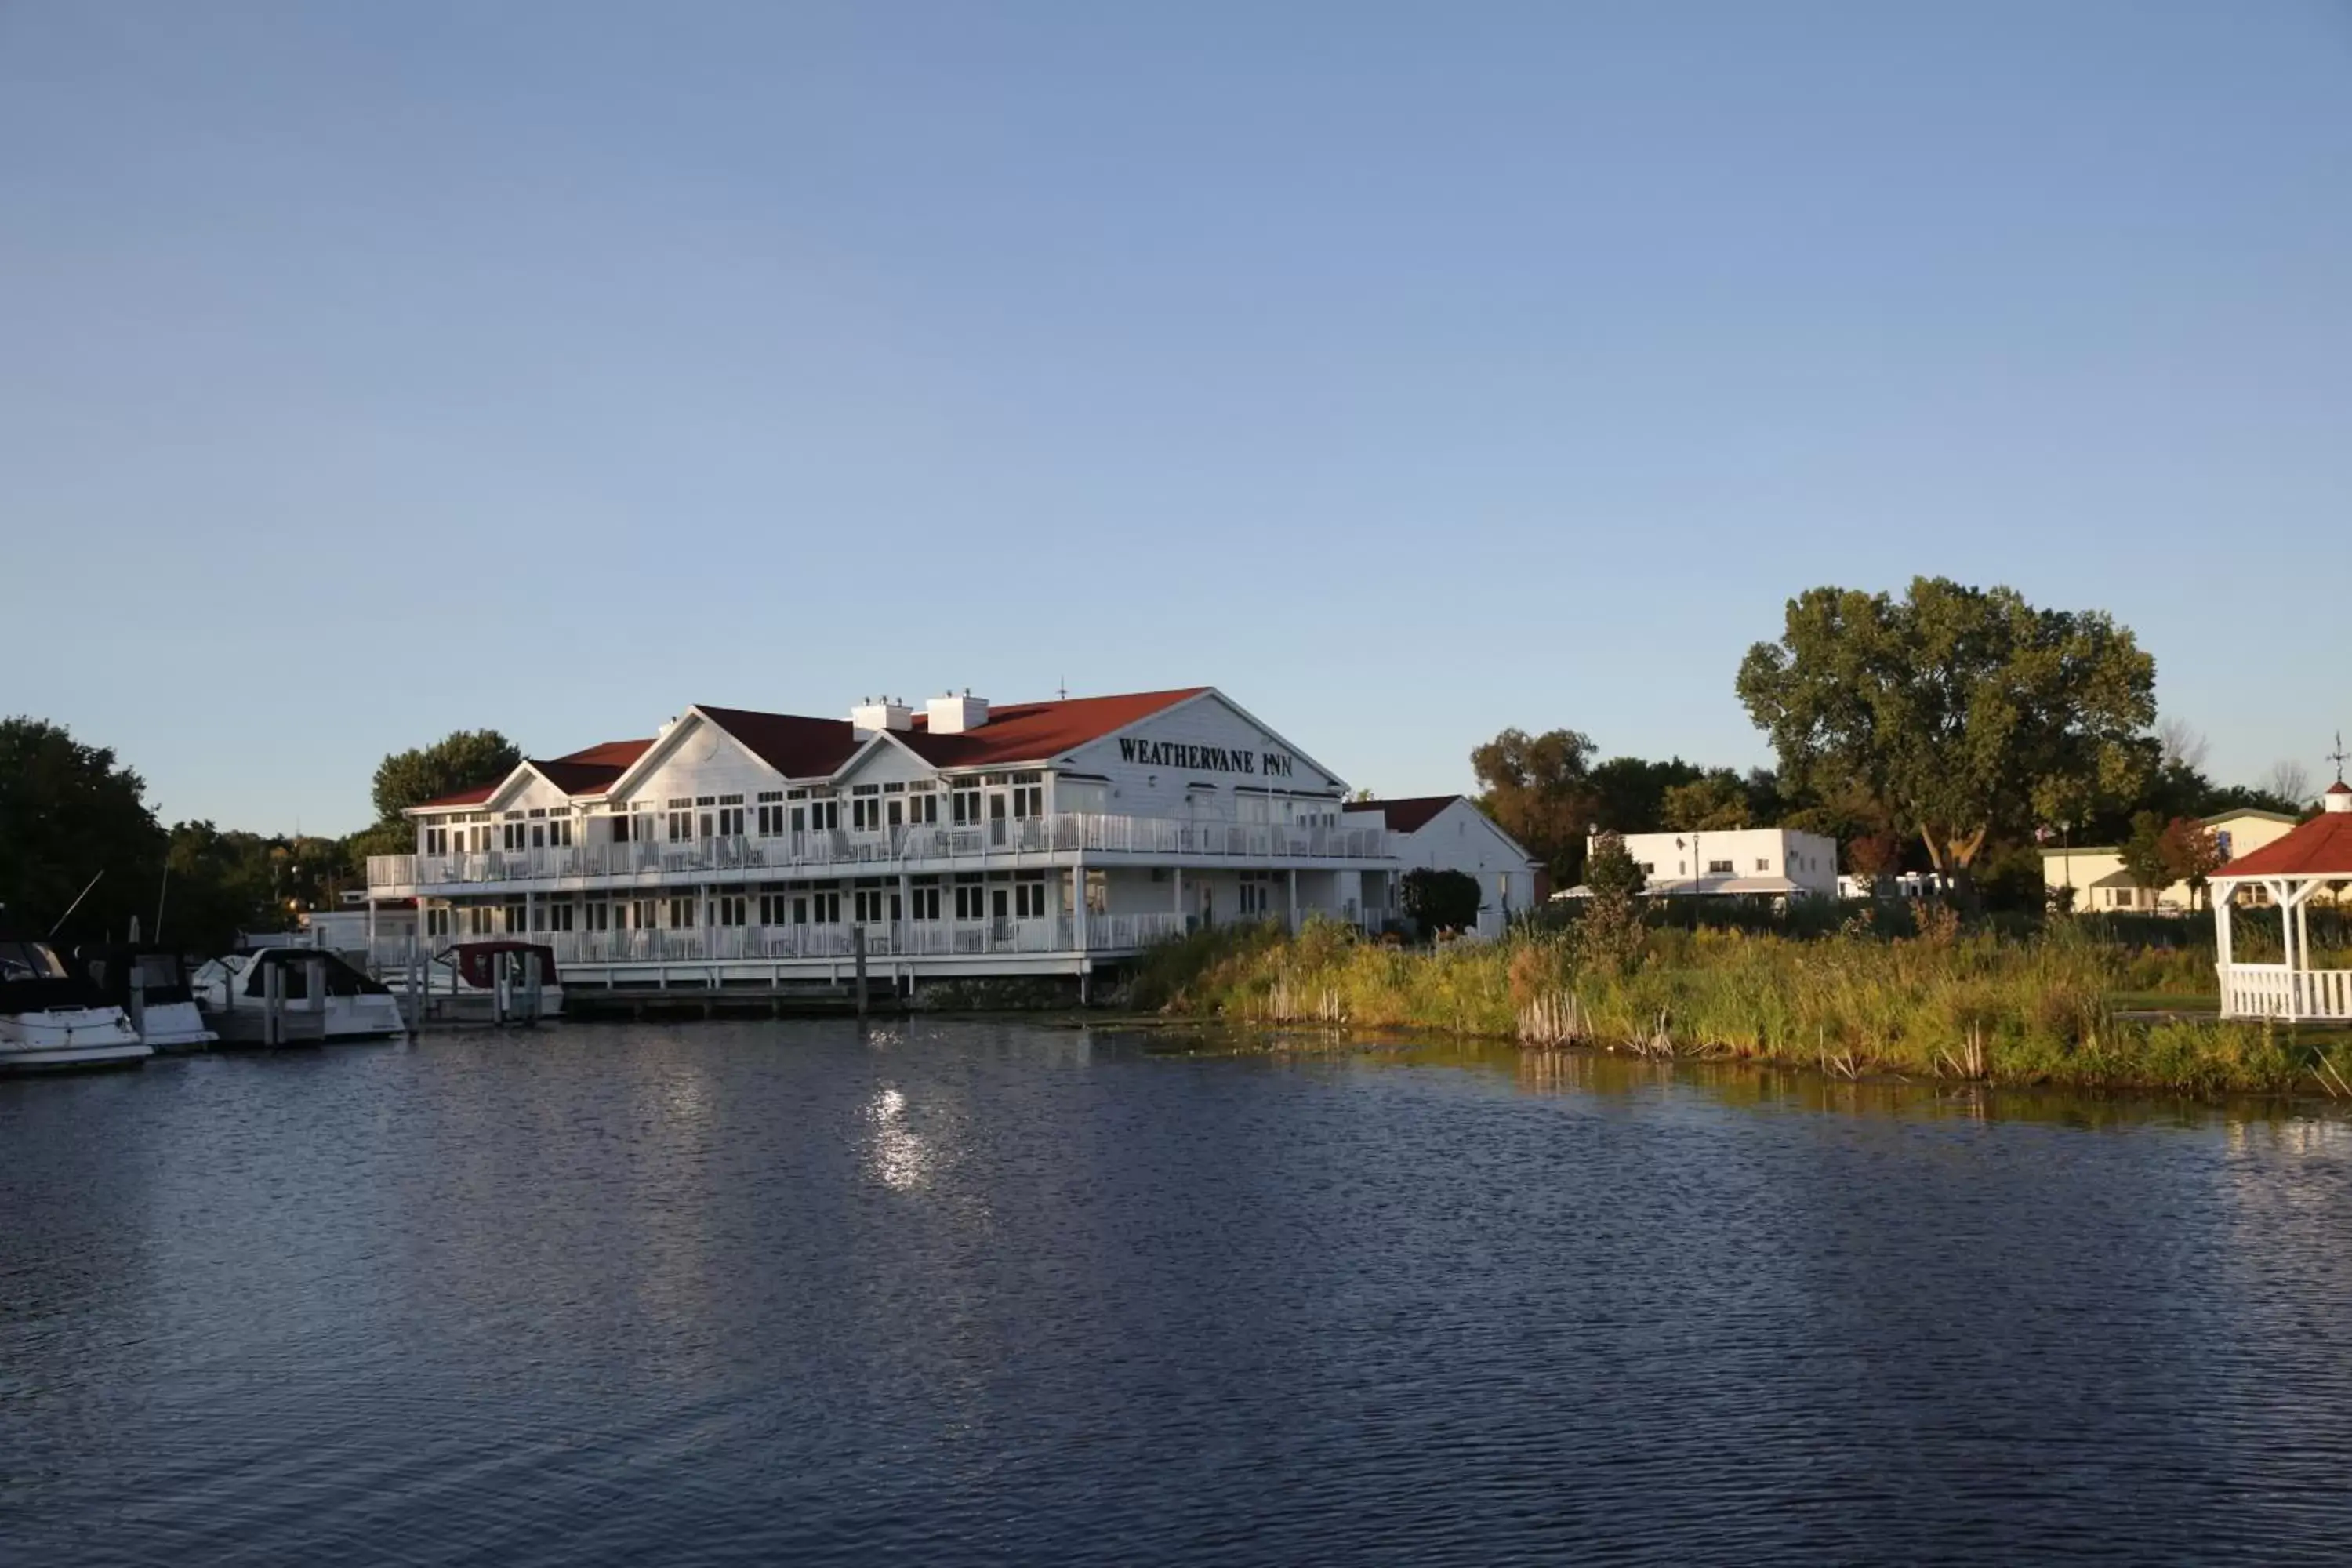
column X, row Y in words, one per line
column 2294, row 870
column 964, row 838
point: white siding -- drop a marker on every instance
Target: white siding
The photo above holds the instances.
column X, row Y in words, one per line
column 1159, row 789
column 1462, row 838
column 698, row 758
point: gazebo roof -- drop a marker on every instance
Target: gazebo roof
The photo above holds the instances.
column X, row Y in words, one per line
column 2321, row 848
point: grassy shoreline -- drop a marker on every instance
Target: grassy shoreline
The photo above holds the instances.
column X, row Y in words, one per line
column 2056, row 1009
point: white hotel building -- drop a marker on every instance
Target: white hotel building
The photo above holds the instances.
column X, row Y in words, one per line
column 738, row 847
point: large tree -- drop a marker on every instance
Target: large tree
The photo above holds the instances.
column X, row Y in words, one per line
column 1964, row 712
column 68, row 812
column 1629, row 793
column 461, row 760
column 1538, row 790
column 1715, row 803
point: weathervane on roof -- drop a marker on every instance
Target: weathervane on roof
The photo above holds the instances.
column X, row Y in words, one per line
column 2339, row 756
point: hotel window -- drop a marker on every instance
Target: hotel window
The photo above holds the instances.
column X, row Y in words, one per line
column 729, row 909
column 865, row 812
column 681, row 914
column 775, row 909
column 1028, row 796
column 1718, row 867
column 924, row 903
column 731, row 820
column 1649, row 868
column 970, row 902
column 512, row 835
column 824, row 908
column 681, row 821
column 599, row 916
column 641, row 913
column 876, row 906
column 1763, row 863
column 965, row 805
column 436, row 841
column 437, row 923
column 516, row 914
column 477, row 920
column 558, row 832
column 771, row 818
column 824, row 815
column 1029, row 900
column 922, row 809
column 559, row 917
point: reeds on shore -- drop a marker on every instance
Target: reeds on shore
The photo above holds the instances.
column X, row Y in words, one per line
column 1946, row 1004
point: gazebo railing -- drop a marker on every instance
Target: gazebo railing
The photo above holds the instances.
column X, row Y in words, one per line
column 2275, row 991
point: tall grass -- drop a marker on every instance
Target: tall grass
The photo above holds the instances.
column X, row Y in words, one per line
column 1973, row 1005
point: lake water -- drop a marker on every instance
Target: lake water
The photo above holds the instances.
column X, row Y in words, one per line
column 951, row 1293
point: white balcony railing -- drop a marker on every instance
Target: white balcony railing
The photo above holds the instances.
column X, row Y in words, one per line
column 901, row 939
column 745, row 856
column 2275, row 991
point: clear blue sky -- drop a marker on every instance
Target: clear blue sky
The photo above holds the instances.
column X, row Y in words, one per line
column 1409, row 372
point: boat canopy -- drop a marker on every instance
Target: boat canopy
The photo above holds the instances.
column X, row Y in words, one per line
column 108, row 967
column 32, row 976
column 343, row 980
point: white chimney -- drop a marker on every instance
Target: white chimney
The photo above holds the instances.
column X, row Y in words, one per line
column 952, row 715
column 881, row 714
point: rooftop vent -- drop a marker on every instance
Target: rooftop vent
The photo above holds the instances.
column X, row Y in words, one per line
column 952, row 715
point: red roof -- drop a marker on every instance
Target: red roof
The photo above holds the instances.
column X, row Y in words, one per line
column 589, row 772
column 795, row 747
column 463, row 797
column 592, row 771
column 1036, row 731
column 1015, row 733
column 2320, row 847
column 1408, row 816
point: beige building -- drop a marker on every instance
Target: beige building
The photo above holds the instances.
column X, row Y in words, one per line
column 2096, row 872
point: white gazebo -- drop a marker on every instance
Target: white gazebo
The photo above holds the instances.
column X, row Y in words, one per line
column 2292, row 869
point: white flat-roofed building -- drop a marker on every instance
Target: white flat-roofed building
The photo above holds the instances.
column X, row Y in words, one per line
column 1754, row 862
column 963, row 839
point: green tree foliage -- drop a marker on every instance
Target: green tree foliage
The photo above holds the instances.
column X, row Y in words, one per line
column 1717, row 803
column 68, row 812
column 1441, row 900
column 1629, row 793
column 1538, row 790
column 2143, row 852
column 1964, row 713
column 462, row 760
column 1609, row 934
column 1609, row 872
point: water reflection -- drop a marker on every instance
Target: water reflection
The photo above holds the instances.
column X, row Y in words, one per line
column 952, row 1291
column 898, row 1155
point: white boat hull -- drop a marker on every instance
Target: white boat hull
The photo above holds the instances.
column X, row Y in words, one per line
column 177, row 1026
column 364, row 1017
column 70, row 1037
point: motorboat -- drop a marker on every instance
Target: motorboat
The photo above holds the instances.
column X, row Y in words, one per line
column 498, row 971
column 233, row 992
column 49, row 1019
column 167, row 1016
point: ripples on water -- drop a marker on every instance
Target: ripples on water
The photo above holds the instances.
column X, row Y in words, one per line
column 971, row 1293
